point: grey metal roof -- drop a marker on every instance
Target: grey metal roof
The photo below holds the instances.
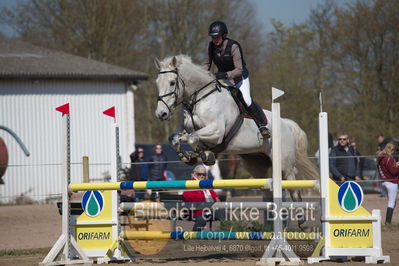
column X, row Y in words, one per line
column 23, row 60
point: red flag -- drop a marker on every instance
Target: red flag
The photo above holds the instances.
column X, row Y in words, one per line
column 63, row 109
column 110, row 112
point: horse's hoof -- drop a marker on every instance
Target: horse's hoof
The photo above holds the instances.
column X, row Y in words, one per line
column 188, row 158
column 184, row 158
column 203, row 156
column 181, row 156
column 193, row 154
column 192, row 162
column 208, row 158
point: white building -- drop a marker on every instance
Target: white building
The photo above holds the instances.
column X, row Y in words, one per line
column 33, row 82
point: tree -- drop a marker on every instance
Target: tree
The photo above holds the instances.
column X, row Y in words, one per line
column 132, row 34
column 350, row 54
column 363, row 47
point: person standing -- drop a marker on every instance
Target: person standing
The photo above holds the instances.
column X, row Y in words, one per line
column 381, row 142
column 158, row 164
column 388, row 169
column 228, row 57
column 343, row 163
column 138, row 169
column 359, row 158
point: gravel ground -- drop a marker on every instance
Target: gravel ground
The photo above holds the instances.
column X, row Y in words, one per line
column 38, row 226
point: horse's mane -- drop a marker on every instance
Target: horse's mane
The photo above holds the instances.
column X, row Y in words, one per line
column 185, row 63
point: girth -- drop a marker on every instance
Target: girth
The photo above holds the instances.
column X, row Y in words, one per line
column 227, row 138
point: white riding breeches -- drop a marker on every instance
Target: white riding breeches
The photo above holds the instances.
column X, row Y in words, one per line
column 245, row 89
column 392, row 190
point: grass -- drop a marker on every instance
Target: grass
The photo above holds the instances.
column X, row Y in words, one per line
column 24, row 252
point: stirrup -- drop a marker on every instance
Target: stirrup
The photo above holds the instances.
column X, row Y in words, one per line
column 264, row 131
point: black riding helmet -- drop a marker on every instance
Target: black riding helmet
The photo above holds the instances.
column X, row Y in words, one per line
column 217, row 28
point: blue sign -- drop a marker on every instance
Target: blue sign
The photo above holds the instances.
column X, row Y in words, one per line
column 92, row 203
column 350, row 196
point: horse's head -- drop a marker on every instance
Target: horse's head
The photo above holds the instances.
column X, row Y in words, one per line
column 170, row 86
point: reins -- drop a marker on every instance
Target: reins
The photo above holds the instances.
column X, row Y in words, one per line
column 190, row 106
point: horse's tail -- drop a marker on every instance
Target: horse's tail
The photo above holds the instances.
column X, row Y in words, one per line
column 306, row 169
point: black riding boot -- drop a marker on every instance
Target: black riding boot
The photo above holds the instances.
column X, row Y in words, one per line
column 388, row 218
column 260, row 118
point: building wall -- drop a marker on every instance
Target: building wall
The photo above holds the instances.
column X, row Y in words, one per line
column 28, row 108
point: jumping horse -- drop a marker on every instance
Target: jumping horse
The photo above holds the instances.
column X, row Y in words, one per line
column 211, row 113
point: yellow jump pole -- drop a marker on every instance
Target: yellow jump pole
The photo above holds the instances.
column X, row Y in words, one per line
column 156, row 235
column 194, row 184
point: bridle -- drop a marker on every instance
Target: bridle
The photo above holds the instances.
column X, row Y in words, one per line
column 175, row 92
column 193, row 97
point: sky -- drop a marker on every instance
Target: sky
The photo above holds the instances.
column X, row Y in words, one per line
column 286, row 11
column 5, row 29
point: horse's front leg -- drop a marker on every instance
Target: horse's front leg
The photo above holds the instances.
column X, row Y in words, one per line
column 211, row 135
column 176, row 139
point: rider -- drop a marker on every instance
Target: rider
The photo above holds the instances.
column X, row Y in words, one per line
column 228, row 57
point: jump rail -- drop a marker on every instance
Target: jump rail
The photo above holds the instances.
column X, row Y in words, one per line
column 159, row 206
column 194, row 184
column 151, row 235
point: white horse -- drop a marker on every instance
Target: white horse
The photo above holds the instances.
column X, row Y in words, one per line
column 209, row 114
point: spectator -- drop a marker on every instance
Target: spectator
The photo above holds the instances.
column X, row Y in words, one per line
column 343, row 164
column 206, row 195
column 381, row 142
column 159, row 164
column 388, row 169
column 138, row 169
column 359, row 158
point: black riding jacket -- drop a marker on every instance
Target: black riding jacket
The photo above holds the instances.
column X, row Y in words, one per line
column 228, row 59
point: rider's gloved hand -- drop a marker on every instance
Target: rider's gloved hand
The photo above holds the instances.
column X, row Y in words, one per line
column 221, row 75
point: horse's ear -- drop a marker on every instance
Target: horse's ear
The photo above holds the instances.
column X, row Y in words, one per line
column 174, row 62
column 157, row 63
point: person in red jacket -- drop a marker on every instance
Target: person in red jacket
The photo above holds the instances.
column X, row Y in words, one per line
column 206, row 195
column 388, row 169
